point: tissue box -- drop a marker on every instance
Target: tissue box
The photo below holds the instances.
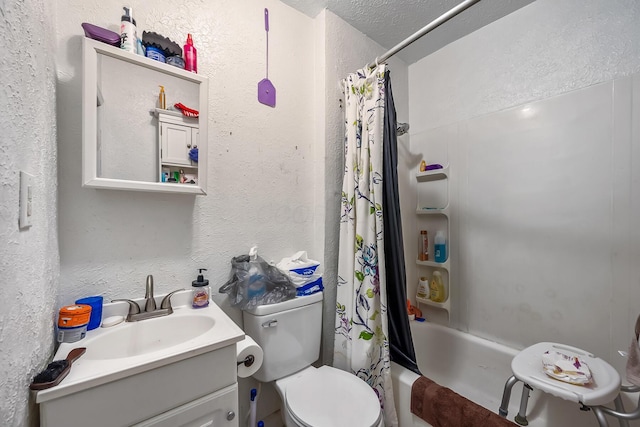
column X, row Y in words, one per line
column 303, row 272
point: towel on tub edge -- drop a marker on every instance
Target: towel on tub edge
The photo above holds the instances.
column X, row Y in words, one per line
column 442, row 407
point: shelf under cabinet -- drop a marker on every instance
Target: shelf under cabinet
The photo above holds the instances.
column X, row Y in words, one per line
column 175, row 113
column 179, row 165
column 433, row 175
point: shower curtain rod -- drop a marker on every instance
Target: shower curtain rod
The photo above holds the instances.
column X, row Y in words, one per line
column 430, row 26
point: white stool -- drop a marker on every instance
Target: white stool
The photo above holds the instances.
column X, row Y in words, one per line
column 527, row 367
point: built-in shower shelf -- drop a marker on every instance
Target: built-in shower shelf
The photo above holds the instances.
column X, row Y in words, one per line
column 444, row 305
column 433, row 264
column 433, row 175
column 433, row 214
column 433, row 211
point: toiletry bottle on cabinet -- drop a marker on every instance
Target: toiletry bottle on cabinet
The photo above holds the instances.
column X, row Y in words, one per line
column 128, row 31
column 190, row 56
column 440, row 247
column 162, row 99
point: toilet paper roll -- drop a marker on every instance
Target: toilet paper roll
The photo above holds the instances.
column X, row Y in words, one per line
column 249, row 357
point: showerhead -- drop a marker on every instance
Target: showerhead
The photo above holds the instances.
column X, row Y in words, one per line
column 402, row 128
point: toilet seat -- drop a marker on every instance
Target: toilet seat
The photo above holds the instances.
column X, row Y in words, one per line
column 326, row 397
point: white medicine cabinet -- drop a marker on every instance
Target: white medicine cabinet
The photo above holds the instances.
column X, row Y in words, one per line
column 127, row 142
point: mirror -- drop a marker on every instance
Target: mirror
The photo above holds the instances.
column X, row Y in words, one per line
column 127, row 142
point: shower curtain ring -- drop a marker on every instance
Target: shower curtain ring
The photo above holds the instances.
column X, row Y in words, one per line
column 377, row 65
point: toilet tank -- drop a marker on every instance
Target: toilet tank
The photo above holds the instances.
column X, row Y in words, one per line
column 289, row 333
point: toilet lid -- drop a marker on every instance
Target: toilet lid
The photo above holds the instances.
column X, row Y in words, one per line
column 327, row 397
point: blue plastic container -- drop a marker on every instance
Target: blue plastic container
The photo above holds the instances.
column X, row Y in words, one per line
column 155, row 54
column 176, row 61
column 96, row 310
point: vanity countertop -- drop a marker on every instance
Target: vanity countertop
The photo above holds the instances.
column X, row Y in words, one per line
column 130, row 348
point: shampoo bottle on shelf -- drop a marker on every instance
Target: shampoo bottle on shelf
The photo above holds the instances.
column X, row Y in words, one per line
column 423, row 288
column 440, row 247
column 190, row 56
column 437, row 292
column 128, row 31
column 423, row 246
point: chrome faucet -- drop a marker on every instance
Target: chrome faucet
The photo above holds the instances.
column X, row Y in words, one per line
column 150, row 310
column 150, row 302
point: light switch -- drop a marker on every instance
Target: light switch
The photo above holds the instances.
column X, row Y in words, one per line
column 26, row 200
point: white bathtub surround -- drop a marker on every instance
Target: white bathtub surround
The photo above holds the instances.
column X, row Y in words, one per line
column 362, row 334
column 545, row 213
column 543, row 147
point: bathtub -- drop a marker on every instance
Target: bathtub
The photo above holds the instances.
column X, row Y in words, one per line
column 477, row 369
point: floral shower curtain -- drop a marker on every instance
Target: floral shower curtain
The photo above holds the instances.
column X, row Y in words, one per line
column 361, row 333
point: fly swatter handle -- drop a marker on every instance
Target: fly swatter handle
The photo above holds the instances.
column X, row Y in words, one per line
column 266, row 19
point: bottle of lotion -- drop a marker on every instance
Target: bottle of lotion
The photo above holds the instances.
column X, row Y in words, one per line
column 128, row 31
column 190, row 56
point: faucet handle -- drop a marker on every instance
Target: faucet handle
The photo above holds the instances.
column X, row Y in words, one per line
column 134, row 308
column 166, row 301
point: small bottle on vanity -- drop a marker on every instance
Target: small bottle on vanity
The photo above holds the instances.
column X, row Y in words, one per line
column 201, row 291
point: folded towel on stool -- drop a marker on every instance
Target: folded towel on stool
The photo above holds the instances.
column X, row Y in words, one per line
column 442, row 407
column 633, row 362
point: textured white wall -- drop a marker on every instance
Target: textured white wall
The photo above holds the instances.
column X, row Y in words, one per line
column 264, row 164
column 460, row 93
column 261, row 160
column 345, row 51
column 28, row 259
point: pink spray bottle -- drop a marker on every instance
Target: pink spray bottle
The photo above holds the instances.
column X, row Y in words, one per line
column 190, row 56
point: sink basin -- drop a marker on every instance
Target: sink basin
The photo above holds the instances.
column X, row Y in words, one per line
column 131, row 348
column 146, row 336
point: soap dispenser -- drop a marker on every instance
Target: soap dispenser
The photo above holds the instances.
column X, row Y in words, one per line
column 162, row 98
column 201, row 291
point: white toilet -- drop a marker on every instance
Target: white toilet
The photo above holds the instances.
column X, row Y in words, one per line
column 289, row 334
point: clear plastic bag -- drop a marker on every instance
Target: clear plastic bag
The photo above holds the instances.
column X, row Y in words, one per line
column 254, row 282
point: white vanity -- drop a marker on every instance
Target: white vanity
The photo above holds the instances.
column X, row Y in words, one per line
column 177, row 370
